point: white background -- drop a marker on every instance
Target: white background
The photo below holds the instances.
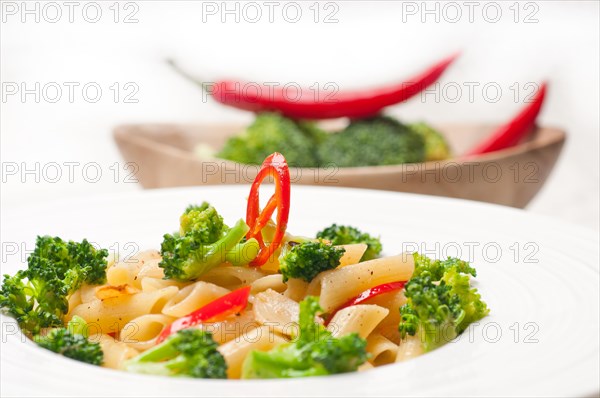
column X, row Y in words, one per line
column 371, row 43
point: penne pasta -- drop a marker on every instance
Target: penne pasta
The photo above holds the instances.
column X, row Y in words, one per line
column 338, row 286
column 409, row 347
column 353, row 254
column 231, row 328
column 231, row 277
column 192, row 297
column 150, row 269
column 389, row 325
column 87, row 293
column 361, row 319
column 108, row 291
column 365, row 366
column 74, row 301
column 127, row 272
column 112, row 314
column 296, row 289
column 382, row 350
column 235, row 351
column 141, row 332
column 115, row 352
column 273, row 282
column 277, row 312
column 151, row 284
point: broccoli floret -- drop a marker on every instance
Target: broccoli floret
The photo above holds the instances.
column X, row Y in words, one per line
column 431, row 311
column 205, row 220
column 315, row 352
column 272, row 132
column 440, row 302
column 203, row 242
column 187, row 257
column 472, row 307
column 38, row 296
column 345, row 235
column 436, row 146
column 372, row 142
column 205, row 205
column 437, row 268
column 210, row 227
column 312, row 130
column 72, row 342
column 189, row 353
column 306, row 260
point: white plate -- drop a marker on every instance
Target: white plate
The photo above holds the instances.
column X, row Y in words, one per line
column 538, row 276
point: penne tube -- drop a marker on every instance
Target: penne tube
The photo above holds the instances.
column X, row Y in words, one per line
column 74, row 301
column 235, row 351
column 296, row 289
column 141, row 332
column 191, row 298
column 337, row 286
column 392, row 301
column 276, row 311
column 87, row 293
column 353, row 254
column 231, row 277
column 409, row 347
column 112, row 314
column 231, row 328
column 365, row 366
column 361, row 319
column 115, row 352
column 382, row 350
column 273, row 282
column 127, row 272
column 152, row 284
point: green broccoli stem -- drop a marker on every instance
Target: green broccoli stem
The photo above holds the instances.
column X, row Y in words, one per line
column 243, row 253
column 163, row 351
column 168, row 367
column 151, row 368
column 218, row 250
column 279, row 364
column 164, row 359
column 208, row 257
column 190, row 352
column 78, row 325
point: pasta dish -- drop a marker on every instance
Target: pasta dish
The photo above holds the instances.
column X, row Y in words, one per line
column 250, row 300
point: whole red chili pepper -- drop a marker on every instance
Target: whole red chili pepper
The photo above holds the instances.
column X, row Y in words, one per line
column 306, row 103
column 368, row 294
column 215, row 311
column 514, row 131
column 276, row 166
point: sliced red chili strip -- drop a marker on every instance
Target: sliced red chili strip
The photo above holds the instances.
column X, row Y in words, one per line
column 215, row 311
column 368, row 294
column 266, row 214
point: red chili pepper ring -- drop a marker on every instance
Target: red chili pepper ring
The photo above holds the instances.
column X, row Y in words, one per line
column 276, row 166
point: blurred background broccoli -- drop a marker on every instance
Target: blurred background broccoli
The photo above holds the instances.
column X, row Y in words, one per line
column 381, row 140
column 436, row 146
column 271, row 132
